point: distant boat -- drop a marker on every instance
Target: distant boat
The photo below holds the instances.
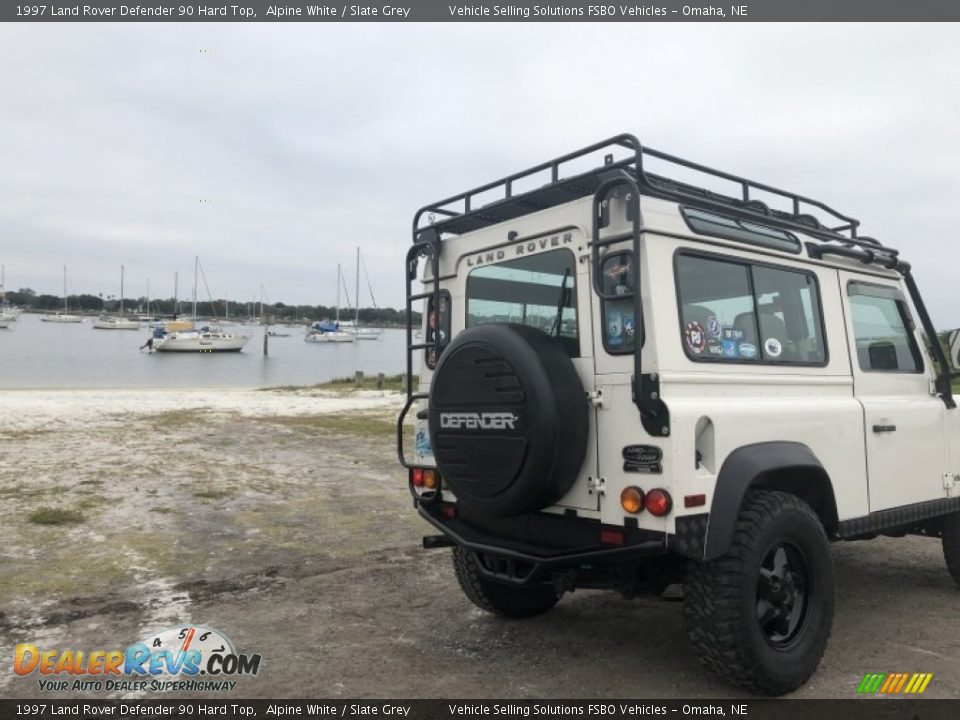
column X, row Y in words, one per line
column 180, row 335
column 354, row 327
column 111, row 322
column 8, row 313
column 64, row 317
column 274, row 333
column 330, row 332
column 203, row 340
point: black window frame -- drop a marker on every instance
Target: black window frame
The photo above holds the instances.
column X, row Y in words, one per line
column 565, row 341
column 684, row 213
column 749, row 263
column 889, row 292
column 603, row 308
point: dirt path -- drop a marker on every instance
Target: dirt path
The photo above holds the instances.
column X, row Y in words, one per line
column 284, row 521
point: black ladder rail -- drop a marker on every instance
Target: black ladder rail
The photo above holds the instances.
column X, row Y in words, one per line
column 425, row 243
column 654, row 415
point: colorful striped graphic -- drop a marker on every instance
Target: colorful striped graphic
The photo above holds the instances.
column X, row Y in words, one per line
column 893, row 683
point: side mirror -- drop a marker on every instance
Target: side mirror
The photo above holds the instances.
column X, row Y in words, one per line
column 954, row 349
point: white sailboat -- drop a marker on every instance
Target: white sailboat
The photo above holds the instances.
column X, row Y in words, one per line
column 358, row 332
column 114, row 322
column 203, row 340
column 8, row 314
column 326, row 332
column 64, row 317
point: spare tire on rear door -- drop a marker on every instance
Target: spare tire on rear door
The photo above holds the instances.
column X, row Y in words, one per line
column 508, row 418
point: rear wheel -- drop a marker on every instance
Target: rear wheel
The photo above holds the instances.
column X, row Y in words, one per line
column 951, row 545
column 760, row 616
column 521, row 601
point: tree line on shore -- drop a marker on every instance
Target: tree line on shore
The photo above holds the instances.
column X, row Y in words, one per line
column 275, row 312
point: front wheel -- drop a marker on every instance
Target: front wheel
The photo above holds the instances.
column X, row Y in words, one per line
column 951, row 545
column 521, row 601
column 760, row 616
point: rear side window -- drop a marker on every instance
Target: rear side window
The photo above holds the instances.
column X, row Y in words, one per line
column 745, row 312
column 883, row 330
column 536, row 290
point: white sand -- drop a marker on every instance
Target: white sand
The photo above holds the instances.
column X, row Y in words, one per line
column 49, row 409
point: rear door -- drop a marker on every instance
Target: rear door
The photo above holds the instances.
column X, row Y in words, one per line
column 903, row 420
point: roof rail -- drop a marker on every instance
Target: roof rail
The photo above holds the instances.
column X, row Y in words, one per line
column 458, row 214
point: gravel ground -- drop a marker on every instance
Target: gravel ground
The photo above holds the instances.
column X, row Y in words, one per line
column 283, row 520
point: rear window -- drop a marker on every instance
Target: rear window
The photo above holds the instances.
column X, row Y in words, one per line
column 536, row 290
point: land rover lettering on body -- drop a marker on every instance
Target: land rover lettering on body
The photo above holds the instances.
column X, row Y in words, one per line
column 636, row 381
column 478, row 421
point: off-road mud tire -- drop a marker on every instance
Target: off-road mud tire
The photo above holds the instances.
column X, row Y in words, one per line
column 721, row 598
column 951, row 545
column 505, row 600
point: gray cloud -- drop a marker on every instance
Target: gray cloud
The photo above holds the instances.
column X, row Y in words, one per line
column 311, row 139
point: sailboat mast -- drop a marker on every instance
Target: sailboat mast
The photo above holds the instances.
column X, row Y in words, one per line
column 356, row 293
column 121, row 290
column 64, row 288
column 196, row 264
column 338, row 293
column 176, row 293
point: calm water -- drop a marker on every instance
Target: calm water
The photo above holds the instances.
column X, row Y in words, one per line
column 35, row 354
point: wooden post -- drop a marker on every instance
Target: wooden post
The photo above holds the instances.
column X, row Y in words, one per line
column 358, row 379
column 379, row 381
column 266, row 338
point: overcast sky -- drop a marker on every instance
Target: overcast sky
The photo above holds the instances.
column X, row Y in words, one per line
column 308, row 140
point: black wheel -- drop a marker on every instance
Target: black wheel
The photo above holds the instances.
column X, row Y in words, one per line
column 507, row 600
column 760, row 616
column 951, row 545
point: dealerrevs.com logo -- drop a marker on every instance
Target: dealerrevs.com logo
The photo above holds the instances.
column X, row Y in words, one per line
column 192, row 658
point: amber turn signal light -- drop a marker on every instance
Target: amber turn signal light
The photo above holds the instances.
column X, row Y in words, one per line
column 430, row 479
column 631, row 499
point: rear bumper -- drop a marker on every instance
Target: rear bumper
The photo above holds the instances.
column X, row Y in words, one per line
column 530, row 548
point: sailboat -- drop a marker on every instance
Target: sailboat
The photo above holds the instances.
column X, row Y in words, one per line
column 357, row 331
column 202, row 340
column 8, row 314
column 63, row 317
column 327, row 332
column 111, row 322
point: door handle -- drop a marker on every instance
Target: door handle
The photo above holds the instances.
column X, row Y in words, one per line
column 884, row 428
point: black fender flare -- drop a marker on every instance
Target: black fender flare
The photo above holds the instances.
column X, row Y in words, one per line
column 747, row 466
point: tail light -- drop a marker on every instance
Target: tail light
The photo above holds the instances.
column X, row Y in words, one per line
column 631, row 499
column 416, row 477
column 659, row 502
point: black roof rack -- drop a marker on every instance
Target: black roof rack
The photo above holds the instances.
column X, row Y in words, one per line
column 457, row 214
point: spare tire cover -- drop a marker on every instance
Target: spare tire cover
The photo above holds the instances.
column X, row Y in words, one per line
column 508, row 418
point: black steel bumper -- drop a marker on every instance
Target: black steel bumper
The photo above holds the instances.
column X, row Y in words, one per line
column 530, row 548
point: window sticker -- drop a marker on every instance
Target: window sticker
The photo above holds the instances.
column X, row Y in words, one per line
column 747, row 350
column 696, row 337
column 772, row 347
column 732, row 334
column 713, row 327
column 614, row 326
column 628, row 326
column 730, row 348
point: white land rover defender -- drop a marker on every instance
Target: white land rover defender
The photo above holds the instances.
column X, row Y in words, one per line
column 630, row 381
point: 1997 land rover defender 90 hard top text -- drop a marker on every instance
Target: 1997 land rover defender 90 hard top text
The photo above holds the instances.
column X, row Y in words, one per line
column 630, row 381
